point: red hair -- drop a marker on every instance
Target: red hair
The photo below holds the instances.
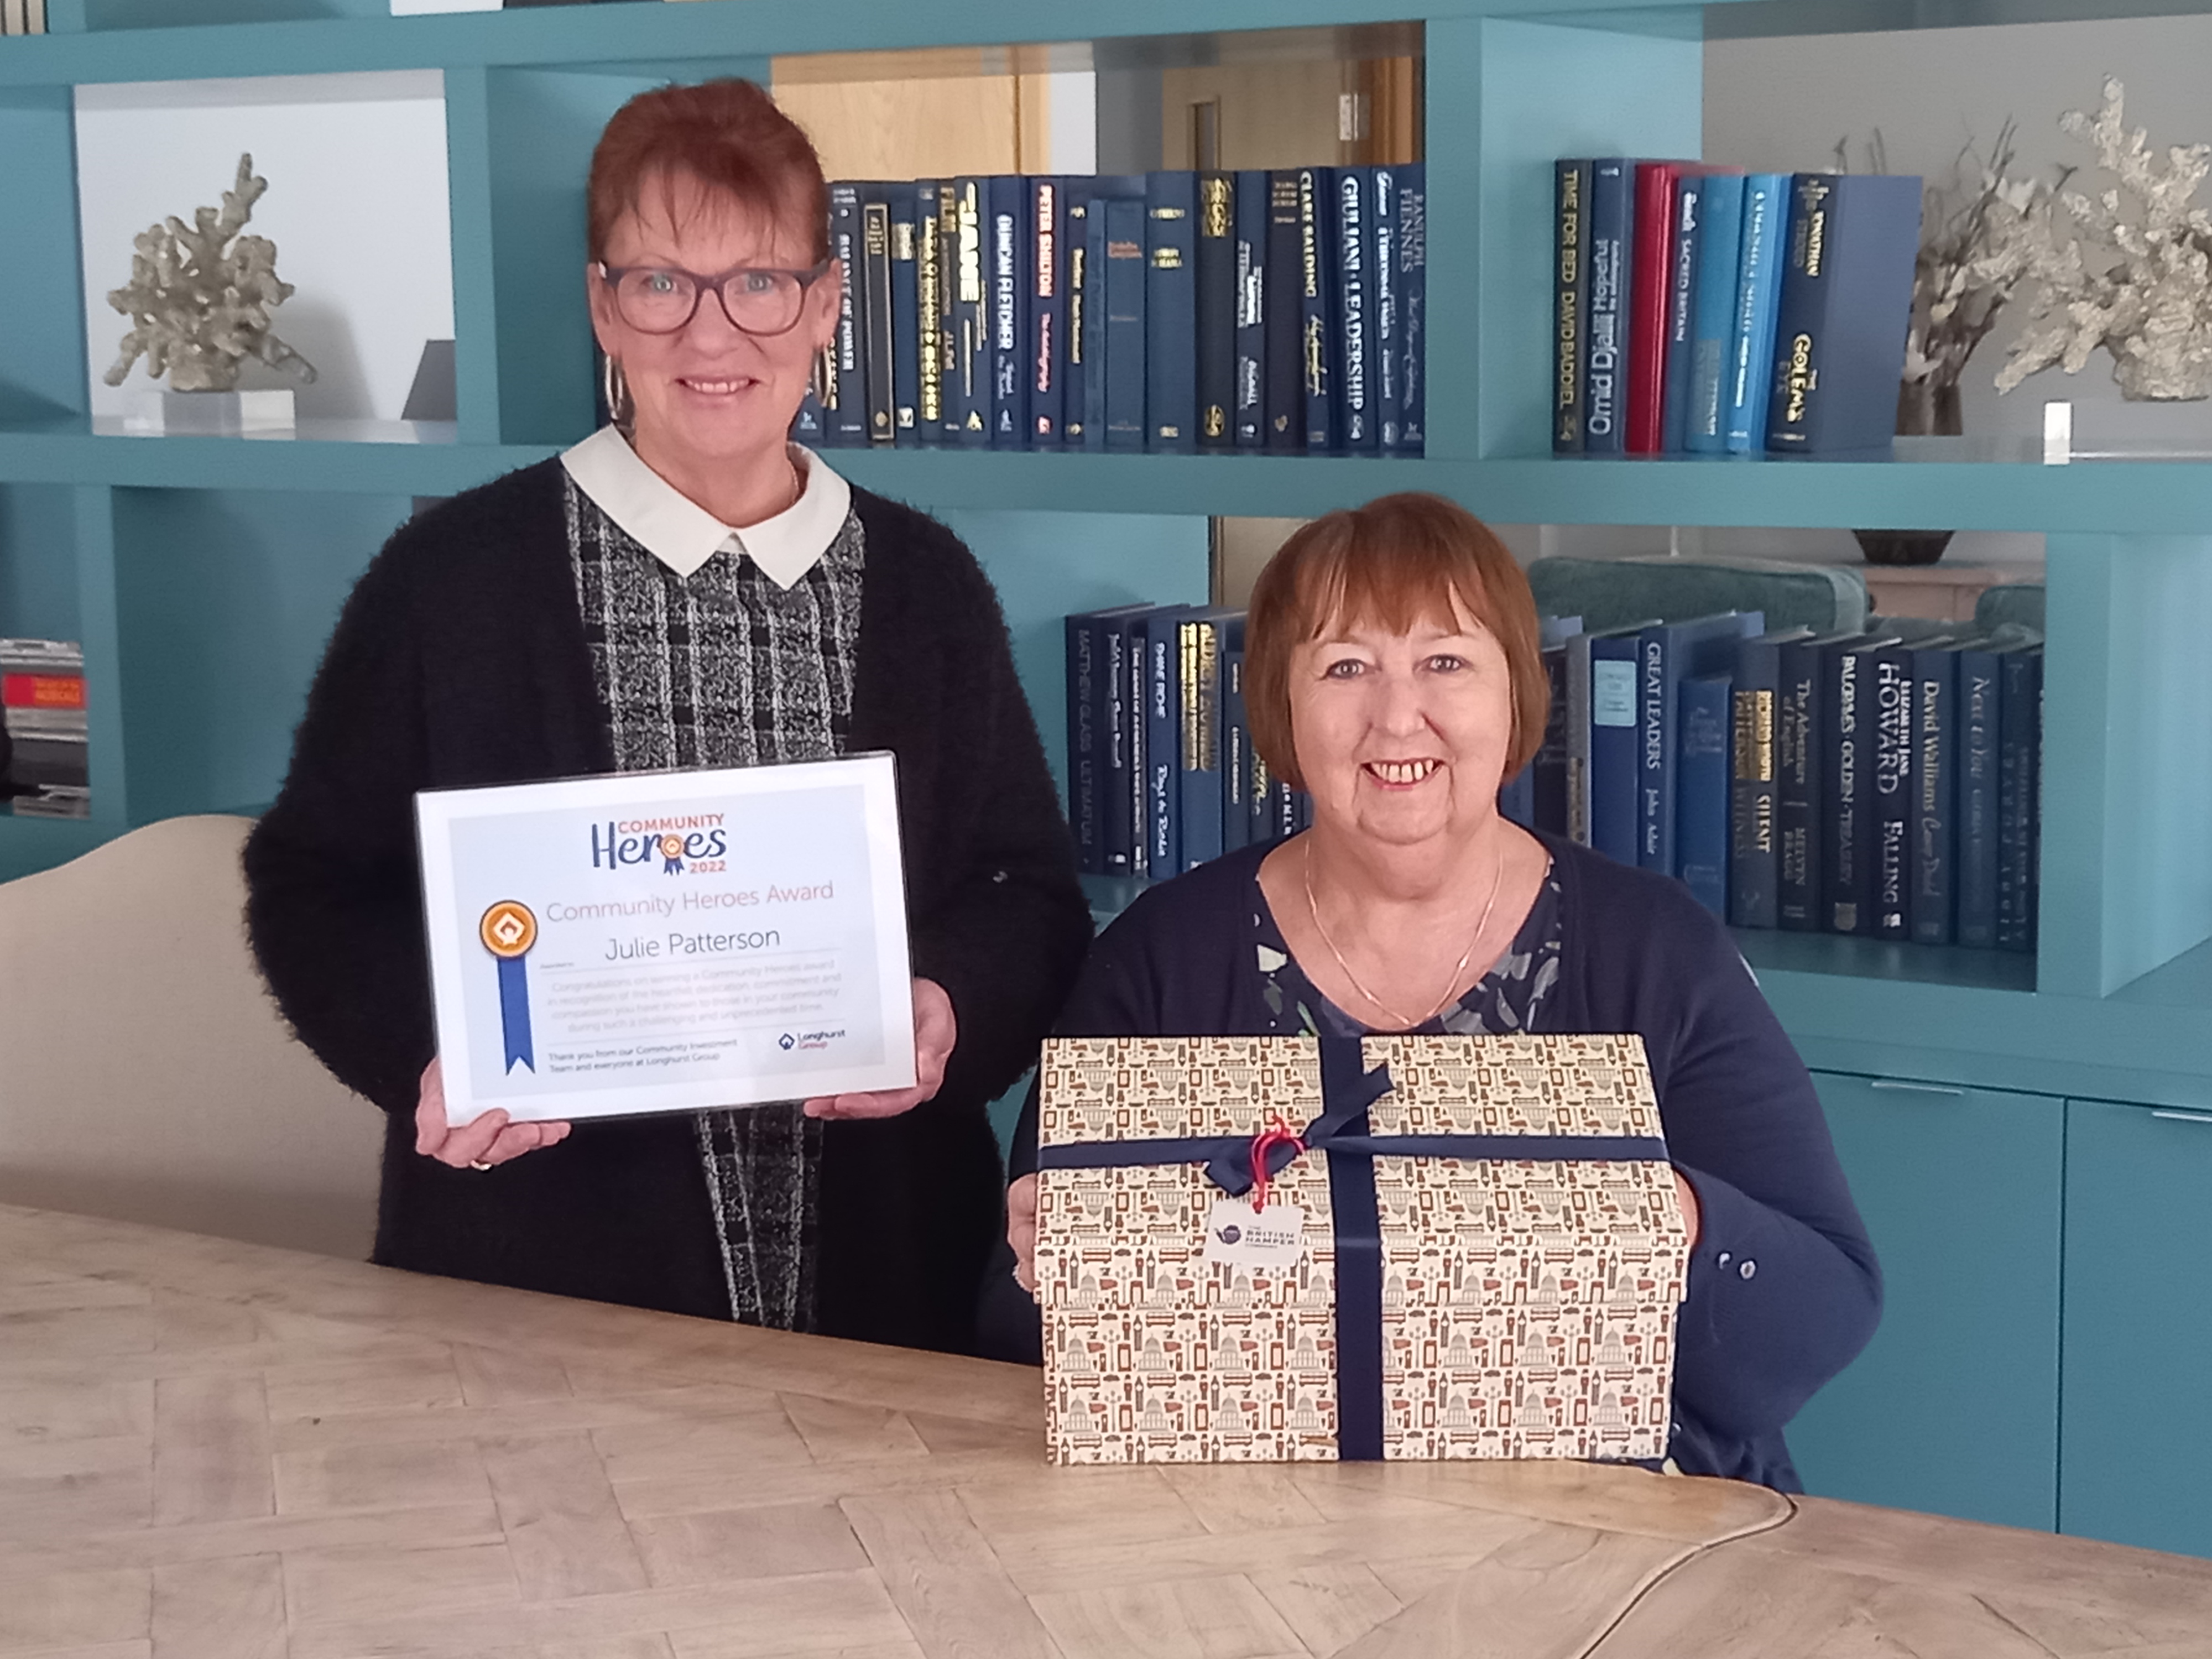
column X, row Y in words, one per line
column 1399, row 560
column 730, row 137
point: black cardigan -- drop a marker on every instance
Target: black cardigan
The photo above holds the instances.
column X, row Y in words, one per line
column 460, row 659
column 1784, row 1285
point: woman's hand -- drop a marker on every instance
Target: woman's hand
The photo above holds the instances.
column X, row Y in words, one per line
column 935, row 1031
column 490, row 1140
column 1021, row 1230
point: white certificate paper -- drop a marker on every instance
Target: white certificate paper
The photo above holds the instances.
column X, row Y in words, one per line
column 668, row 941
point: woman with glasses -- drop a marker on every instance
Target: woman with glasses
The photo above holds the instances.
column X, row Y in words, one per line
column 685, row 588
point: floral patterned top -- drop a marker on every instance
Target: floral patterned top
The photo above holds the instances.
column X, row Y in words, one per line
column 1503, row 1001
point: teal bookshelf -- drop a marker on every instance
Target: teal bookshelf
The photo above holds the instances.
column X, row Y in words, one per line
column 203, row 575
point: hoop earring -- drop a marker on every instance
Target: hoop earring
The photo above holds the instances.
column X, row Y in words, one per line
column 614, row 390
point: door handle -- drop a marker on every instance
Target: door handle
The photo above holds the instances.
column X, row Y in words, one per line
column 1904, row 1087
column 2183, row 1117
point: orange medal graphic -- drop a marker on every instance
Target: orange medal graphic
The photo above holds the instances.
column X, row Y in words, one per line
column 507, row 931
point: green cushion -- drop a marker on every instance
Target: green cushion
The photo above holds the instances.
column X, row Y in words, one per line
column 1614, row 593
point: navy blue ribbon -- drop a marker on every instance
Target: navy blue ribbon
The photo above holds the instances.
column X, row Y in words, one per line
column 514, row 1011
column 1341, row 1133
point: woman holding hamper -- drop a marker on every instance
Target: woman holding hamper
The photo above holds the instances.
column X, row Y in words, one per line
column 684, row 589
column 1392, row 670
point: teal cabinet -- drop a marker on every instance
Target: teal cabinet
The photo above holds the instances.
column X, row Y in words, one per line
column 1953, row 1407
column 2136, row 1465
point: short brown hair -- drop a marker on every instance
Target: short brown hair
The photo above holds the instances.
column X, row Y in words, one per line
column 1392, row 562
column 730, row 135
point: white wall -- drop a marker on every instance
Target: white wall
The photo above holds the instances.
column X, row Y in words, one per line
column 356, row 205
column 1781, row 104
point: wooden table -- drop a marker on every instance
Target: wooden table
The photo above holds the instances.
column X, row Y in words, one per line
column 214, row 1450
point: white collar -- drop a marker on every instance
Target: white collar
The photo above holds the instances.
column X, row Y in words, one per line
column 682, row 535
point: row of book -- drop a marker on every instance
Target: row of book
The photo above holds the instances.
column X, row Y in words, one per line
column 43, row 734
column 1162, row 775
column 1705, row 311
column 1885, row 783
column 1171, row 312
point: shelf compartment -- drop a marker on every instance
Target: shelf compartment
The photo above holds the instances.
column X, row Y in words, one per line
column 1849, row 956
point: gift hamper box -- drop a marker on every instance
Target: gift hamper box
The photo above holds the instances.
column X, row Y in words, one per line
column 1462, row 1247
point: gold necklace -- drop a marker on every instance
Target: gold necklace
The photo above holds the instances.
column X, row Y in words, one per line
column 1305, row 869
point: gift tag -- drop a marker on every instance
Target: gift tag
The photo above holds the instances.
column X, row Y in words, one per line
column 1275, row 1237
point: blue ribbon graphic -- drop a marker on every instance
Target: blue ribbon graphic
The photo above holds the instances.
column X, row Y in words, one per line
column 514, row 1011
column 1341, row 1132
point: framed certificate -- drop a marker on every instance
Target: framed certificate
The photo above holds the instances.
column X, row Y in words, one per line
column 668, row 941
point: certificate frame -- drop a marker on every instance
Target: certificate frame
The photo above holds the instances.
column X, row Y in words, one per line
column 668, row 941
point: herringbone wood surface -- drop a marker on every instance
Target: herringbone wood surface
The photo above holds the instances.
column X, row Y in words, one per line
column 211, row 1450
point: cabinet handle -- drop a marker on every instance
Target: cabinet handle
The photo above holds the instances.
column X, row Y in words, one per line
column 1900, row 1084
column 2183, row 1117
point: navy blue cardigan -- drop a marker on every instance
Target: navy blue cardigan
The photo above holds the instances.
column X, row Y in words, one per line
column 1784, row 1285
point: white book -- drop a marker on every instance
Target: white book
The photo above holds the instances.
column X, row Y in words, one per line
column 12, row 18
column 35, row 16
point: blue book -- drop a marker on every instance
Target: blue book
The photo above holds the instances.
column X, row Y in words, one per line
column 1205, row 636
column 1214, row 295
column 1614, row 815
column 1800, row 758
column 1317, row 331
column 1847, row 782
column 1355, row 305
column 844, row 399
column 1385, row 315
column 1248, row 412
column 1075, row 337
column 967, row 333
column 1236, row 747
column 1086, row 742
column 1684, row 261
column 1605, row 359
column 1980, row 699
column 1162, row 727
column 1751, row 337
column 878, row 339
column 1170, row 311
column 1931, row 904
column 906, row 322
column 932, row 303
column 1517, row 798
column 1124, row 397
column 1720, row 211
column 1754, row 797
column 1007, row 286
column 1094, row 324
column 808, row 426
column 1846, row 304
column 1668, row 654
column 1044, row 324
column 2019, row 739
column 1548, row 770
column 1281, row 322
column 1702, row 829
column 1890, row 876
column 1411, row 250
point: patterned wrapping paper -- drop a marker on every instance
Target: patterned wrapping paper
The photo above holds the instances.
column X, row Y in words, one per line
column 1527, row 1307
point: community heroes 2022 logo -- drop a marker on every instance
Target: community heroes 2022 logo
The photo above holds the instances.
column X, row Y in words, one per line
column 694, row 841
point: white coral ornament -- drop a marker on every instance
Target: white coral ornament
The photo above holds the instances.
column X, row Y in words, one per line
column 2137, row 282
column 200, row 302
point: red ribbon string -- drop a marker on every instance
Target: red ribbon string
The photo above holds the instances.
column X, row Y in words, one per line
column 1278, row 1133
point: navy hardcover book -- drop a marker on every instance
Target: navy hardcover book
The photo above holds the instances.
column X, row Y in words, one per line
column 1216, row 288
column 906, row 320
column 1930, row 907
column 1236, row 746
column 1086, row 744
column 1702, row 829
column 1203, row 637
column 1613, row 816
column 930, row 300
column 1283, row 385
column 1355, row 319
column 1846, row 301
column 1847, row 783
column 1125, row 301
column 1605, row 356
column 1412, row 254
column 1007, row 286
column 1800, row 728
column 1754, row 794
column 1893, row 727
column 1517, row 798
column 1571, row 187
column 878, row 344
column 1075, row 353
column 1979, row 701
column 1163, row 741
column 1683, row 262
column 1317, row 331
column 1044, row 329
column 2019, row 763
column 1248, row 417
column 1121, row 803
column 1386, row 313
column 845, row 403
column 1171, row 311
column 1548, row 771
column 967, row 370
column 1094, row 273
column 1668, row 654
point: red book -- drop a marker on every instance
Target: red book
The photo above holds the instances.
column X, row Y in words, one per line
column 42, row 690
column 1648, row 287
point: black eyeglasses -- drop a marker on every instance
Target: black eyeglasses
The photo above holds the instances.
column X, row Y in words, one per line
column 663, row 300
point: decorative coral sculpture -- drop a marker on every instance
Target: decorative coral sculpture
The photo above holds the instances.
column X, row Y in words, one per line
column 2141, row 287
column 200, row 302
